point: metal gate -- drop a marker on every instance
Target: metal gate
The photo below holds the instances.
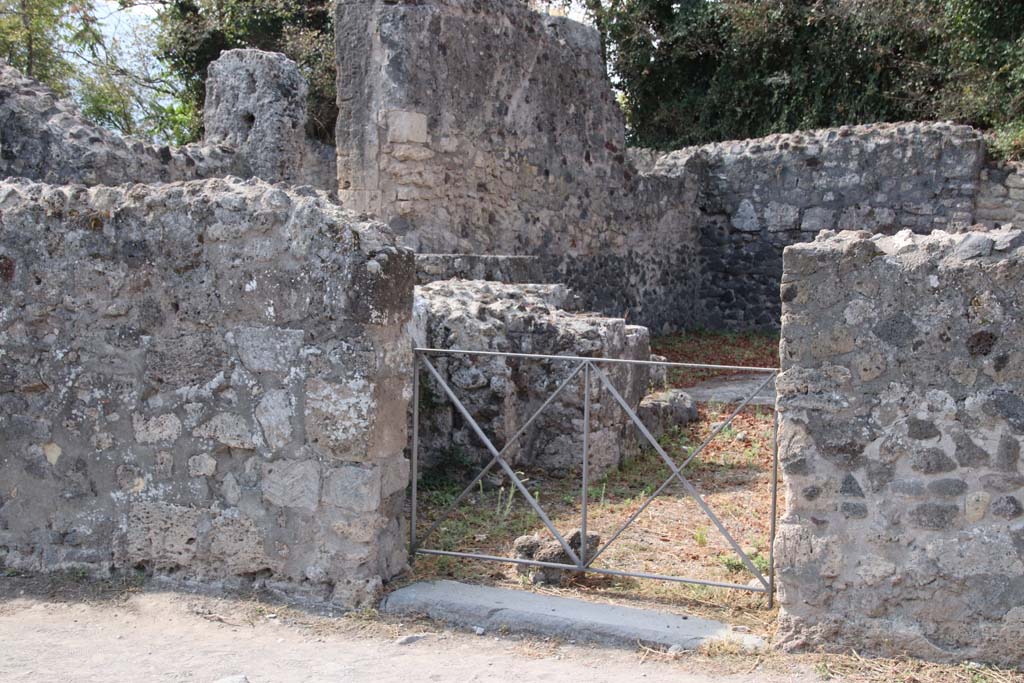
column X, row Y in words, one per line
column 590, row 367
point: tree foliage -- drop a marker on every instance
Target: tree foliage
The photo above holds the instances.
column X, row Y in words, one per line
column 116, row 80
column 696, row 71
column 38, row 37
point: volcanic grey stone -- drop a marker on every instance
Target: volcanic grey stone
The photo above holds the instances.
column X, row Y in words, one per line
column 934, row 516
column 854, row 510
column 500, row 609
column 1007, row 507
column 851, row 488
column 948, row 488
column 665, row 411
column 974, row 245
column 932, row 461
column 544, row 548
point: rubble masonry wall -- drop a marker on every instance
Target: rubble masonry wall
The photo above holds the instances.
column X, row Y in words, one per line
column 901, row 429
column 206, row 379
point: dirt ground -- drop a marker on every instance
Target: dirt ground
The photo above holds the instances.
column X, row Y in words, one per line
column 61, row 631
column 70, row 628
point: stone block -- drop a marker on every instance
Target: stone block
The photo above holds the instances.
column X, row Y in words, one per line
column 407, row 126
column 268, row 349
column 202, row 466
column 162, row 429
column 337, row 416
column 161, row 535
column 353, row 487
column 292, row 484
column 228, row 429
column 275, row 413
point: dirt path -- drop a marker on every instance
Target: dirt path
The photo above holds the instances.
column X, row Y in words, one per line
column 168, row 636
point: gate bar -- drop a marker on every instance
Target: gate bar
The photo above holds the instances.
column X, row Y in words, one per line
column 586, row 473
column 484, row 471
column 683, row 480
column 538, row 356
column 594, row 570
column 501, row 461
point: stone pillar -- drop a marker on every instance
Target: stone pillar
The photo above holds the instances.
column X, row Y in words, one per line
column 256, row 104
column 902, row 406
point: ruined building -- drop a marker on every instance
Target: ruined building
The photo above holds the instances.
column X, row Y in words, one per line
column 206, row 352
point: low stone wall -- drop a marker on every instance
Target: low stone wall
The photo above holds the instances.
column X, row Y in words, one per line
column 901, row 425
column 1000, row 199
column 206, row 379
column 502, row 393
column 507, row 269
column 758, row 196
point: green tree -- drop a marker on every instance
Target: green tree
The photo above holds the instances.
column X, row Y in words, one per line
column 696, row 71
column 116, row 80
column 38, row 36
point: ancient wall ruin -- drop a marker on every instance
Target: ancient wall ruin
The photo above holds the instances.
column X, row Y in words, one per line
column 486, row 128
column 901, row 429
column 255, row 125
column 208, row 379
column 758, row 196
column 502, row 393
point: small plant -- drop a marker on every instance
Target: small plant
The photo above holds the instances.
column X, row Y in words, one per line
column 733, row 564
column 505, row 502
column 700, row 536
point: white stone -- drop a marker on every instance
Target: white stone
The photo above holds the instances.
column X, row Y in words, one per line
column 160, row 429
column 274, row 413
column 292, row 484
column 407, row 126
column 228, row 429
column 201, row 466
column 354, row 487
column 268, row 349
column 745, row 218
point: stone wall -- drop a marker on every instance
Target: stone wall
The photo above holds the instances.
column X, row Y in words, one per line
column 502, row 393
column 758, row 196
column 463, row 119
column 901, row 426
column 255, row 122
column 508, row 269
column 485, row 128
column 1001, row 195
column 206, row 379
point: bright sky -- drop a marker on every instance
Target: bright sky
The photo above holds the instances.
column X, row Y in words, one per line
column 117, row 22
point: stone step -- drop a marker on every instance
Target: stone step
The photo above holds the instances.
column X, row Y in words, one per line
column 486, row 609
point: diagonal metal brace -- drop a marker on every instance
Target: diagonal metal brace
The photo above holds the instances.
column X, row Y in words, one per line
column 483, row 473
column 697, row 451
column 501, row 461
column 677, row 473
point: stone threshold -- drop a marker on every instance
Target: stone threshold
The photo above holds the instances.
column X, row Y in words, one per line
column 485, row 609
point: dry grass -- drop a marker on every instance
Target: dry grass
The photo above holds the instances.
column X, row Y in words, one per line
column 671, row 537
column 759, row 350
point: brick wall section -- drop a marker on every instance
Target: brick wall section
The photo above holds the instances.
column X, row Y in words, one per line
column 901, row 426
